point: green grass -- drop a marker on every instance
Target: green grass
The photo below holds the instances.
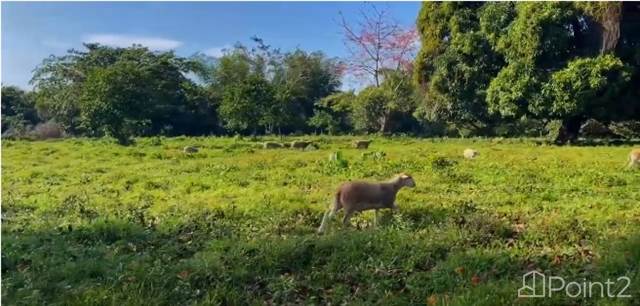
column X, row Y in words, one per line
column 88, row 222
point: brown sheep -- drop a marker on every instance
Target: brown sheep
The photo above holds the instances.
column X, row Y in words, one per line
column 361, row 144
column 300, row 144
column 190, row 149
column 272, row 145
column 360, row 196
column 634, row 158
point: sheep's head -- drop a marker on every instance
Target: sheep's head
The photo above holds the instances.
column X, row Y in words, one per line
column 406, row 180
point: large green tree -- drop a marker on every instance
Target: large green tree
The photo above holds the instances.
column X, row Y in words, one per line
column 248, row 105
column 304, row 79
column 105, row 90
column 456, row 63
column 18, row 109
column 552, row 60
column 294, row 80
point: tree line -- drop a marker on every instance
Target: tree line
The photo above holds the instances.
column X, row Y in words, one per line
column 498, row 69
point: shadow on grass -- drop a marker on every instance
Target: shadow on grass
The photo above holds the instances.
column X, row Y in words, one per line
column 220, row 257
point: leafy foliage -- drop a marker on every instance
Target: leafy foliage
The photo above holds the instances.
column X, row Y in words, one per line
column 586, row 87
column 541, row 61
column 120, row 92
column 332, row 113
column 18, row 110
column 248, row 105
column 458, row 85
column 376, row 108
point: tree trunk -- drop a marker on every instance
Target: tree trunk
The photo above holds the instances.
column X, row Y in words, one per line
column 611, row 27
column 569, row 131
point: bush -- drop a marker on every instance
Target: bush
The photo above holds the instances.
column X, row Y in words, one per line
column 594, row 129
column 47, row 130
column 626, row 129
column 15, row 127
column 524, row 126
column 554, row 130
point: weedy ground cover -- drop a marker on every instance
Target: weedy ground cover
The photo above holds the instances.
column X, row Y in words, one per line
column 91, row 222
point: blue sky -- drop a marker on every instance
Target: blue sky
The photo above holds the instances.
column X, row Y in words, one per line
column 32, row 31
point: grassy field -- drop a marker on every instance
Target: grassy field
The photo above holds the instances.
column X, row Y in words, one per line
column 88, row 222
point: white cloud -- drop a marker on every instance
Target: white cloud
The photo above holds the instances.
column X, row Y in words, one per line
column 217, row 51
column 121, row 40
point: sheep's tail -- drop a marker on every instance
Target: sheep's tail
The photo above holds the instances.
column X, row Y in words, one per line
column 330, row 213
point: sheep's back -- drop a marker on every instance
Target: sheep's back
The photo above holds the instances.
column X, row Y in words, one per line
column 356, row 193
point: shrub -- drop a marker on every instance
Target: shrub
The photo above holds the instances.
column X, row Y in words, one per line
column 593, row 129
column 47, row 130
column 15, row 128
column 554, row 130
column 626, row 129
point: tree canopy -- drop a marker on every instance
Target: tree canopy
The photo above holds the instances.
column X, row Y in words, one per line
column 493, row 62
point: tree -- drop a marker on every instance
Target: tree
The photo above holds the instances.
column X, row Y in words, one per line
column 586, row 88
column 369, row 110
column 305, row 78
column 436, row 23
column 376, row 108
column 529, row 61
column 297, row 80
column 377, row 43
column 548, row 47
column 18, row 109
column 457, row 88
column 114, row 102
column 100, row 90
column 247, row 106
column 332, row 113
column 457, row 62
column 604, row 18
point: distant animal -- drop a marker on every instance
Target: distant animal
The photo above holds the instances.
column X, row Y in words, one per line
column 272, row 145
column 361, row 144
column 634, row 158
column 190, row 149
column 470, row 153
column 360, row 196
column 311, row 147
column 300, row 144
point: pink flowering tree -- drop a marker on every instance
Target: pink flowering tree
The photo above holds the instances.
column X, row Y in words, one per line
column 377, row 43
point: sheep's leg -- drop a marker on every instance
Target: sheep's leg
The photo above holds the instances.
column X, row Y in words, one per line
column 347, row 217
column 323, row 224
column 327, row 216
column 375, row 218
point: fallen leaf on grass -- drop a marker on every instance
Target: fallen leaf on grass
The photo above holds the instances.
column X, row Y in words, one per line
column 432, row 300
column 475, row 280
